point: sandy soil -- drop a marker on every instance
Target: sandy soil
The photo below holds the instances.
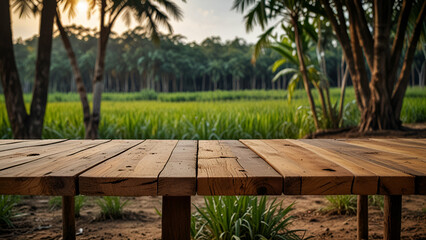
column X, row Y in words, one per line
column 37, row 221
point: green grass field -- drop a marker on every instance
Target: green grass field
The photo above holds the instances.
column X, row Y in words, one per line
column 214, row 115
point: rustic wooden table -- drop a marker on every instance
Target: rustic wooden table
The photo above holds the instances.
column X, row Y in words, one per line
column 180, row 169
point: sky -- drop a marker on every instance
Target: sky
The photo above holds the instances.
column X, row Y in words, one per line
column 202, row 19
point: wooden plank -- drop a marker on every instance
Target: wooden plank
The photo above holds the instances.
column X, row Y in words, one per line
column 28, row 144
column 378, row 162
column 179, row 176
column 391, row 146
column 304, row 171
column 408, row 164
column 230, row 168
column 132, row 173
column 49, row 175
column 16, row 157
column 10, row 141
column 366, row 173
column 176, row 218
column 392, row 215
column 421, row 143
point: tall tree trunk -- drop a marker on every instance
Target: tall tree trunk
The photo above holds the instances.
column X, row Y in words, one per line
column 302, row 68
column 92, row 129
column 76, row 71
column 41, row 83
column 17, row 114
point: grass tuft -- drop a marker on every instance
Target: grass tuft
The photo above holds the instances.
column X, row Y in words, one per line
column 245, row 217
column 111, row 207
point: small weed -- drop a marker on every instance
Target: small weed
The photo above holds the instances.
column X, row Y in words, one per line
column 341, row 204
column 56, row 203
column 246, row 217
column 7, row 202
column 111, row 207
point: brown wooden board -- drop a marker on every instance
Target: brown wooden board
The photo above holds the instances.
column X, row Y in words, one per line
column 229, row 168
column 132, row 173
column 399, row 162
column 304, row 171
column 391, row 179
column 391, row 147
column 10, row 141
column 28, row 144
column 16, row 157
column 46, row 176
column 179, row 176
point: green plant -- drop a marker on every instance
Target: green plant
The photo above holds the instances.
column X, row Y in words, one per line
column 341, row 204
column 246, row 217
column 7, row 202
column 56, row 203
column 111, row 207
column 377, row 201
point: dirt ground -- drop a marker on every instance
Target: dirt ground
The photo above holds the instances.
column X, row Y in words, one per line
column 36, row 221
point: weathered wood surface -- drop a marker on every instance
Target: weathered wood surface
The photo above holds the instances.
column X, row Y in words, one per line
column 134, row 172
column 15, row 144
column 56, row 174
column 229, row 168
column 179, row 176
column 371, row 176
column 304, row 171
column 226, row 167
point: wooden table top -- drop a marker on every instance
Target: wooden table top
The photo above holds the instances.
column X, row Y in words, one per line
column 210, row 167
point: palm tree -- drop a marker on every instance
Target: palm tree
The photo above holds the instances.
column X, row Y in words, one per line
column 149, row 14
column 289, row 11
column 26, row 125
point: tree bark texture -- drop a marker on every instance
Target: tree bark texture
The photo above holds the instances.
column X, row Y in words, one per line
column 76, row 71
column 302, row 68
column 379, row 98
column 24, row 125
column 93, row 126
column 41, row 83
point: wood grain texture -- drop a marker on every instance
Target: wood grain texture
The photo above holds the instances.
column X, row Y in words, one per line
column 362, row 217
column 400, row 162
column 10, row 141
column 304, row 171
column 16, row 157
column 391, row 147
column 132, row 173
column 45, row 176
column 68, row 218
column 16, row 144
column 229, row 168
column 392, row 215
column 391, row 179
column 176, row 218
column 179, row 176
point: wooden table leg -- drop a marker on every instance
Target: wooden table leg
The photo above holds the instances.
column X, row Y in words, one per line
column 362, row 217
column 176, row 218
column 392, row 217
column 68, row 218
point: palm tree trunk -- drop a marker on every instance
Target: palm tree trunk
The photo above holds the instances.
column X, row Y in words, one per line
column 76, row 71
column 92, row 130
column 302, row 68
column 9, row 76
column 41, row 83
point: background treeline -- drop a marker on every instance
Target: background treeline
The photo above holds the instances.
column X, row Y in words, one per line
column 134, row 63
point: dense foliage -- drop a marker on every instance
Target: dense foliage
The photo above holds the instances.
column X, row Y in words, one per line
column 255, row 114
